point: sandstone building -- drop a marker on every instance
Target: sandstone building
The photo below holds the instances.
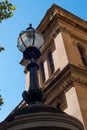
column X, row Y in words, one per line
column 63, row 64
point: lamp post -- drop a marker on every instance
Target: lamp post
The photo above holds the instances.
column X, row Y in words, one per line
column 30, row 42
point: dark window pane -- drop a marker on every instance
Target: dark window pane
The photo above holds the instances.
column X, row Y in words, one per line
column 51, row 63
column 82, row 55
column 42, row 71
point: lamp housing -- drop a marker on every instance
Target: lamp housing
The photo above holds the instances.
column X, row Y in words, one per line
column 28, row 38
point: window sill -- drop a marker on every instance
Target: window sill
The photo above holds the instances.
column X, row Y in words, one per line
column 51, row 78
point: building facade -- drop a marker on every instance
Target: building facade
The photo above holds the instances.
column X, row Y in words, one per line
column 63, row 64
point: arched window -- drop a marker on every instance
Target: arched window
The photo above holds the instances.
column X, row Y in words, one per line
column 42, row 71
column 50, row 62
column 82, row 55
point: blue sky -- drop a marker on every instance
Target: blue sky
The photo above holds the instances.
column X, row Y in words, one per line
column 12, row 77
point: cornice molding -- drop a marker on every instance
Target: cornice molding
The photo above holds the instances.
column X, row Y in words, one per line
column 70, row 82
column 76, row 37
column 59, row 89
column 64, row 81
column 55, row 9
column 71, row 22
column 80, row 81
column 67, row 84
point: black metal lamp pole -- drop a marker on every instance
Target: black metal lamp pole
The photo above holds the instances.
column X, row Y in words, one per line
column 34, row 93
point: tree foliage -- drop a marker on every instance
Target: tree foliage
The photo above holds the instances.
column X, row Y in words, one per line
column 1, row 101
column 6, row 10
column 1, row 49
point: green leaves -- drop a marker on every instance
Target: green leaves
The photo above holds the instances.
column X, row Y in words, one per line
column 2, row 49
column 1, row 101
column 6, row 10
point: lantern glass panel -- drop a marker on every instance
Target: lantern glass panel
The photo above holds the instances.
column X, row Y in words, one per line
column 30, row 38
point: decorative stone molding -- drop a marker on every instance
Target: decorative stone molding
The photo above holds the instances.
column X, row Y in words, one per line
column 64, row 29
column 55, row 32
column 67, row 84
column 80, row 38
column 80, row 81
column 60, row 88
column 70, row 82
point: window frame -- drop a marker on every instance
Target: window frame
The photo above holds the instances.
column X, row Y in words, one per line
column 42, row 71
column 50, row 61
column 82, row 53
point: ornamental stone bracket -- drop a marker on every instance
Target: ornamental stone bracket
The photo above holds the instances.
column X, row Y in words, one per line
column 80, row 81
column 70, row 83
column 59, row 88
column 67, row 84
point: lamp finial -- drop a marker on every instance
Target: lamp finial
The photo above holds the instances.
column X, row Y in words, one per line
column 30, row 25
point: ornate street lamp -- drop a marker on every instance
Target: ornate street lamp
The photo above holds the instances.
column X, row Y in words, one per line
column 29, row 42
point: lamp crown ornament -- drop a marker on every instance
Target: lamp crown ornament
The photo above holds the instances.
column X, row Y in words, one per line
column 30, row 42
column 30, row 27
